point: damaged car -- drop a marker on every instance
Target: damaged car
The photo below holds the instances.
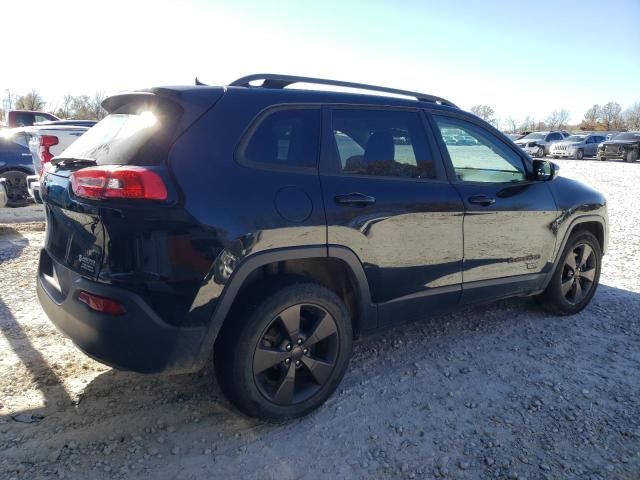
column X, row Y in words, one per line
column 624, row 145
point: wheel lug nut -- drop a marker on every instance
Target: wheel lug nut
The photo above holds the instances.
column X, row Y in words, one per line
column 288, row 347
column 305, row 351
column 298, row 363
column 299, row 341
column 287, row 361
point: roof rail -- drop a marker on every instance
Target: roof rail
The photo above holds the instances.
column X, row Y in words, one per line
column 272, row 80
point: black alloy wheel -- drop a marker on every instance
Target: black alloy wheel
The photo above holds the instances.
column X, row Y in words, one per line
column 285, row 348
column 578, row 273
column 296, row 355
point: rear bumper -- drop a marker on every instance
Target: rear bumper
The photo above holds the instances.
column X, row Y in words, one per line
column 33, row 187
column 137, row 340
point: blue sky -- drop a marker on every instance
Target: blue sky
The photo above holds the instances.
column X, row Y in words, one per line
column 523, row 58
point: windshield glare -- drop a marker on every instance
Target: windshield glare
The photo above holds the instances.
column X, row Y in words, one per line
column 535, row 136
column 628, row 136
column 575, row 138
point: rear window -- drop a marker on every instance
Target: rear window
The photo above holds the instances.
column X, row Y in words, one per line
column 132, row 135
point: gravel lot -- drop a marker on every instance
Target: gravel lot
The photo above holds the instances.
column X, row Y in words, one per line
column 504, row 391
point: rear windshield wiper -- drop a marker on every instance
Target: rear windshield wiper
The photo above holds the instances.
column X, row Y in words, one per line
column 66, row 161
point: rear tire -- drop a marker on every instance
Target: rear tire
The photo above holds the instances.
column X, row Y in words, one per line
column 631, row 156
column 285, row 352
column 576, row 277
column 16, row 183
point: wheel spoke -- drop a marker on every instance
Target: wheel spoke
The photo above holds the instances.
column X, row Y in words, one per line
column 584, row 255
column 324, row 328
column 578, row 293
column 284, row 394
column 318, row 368
column 566, row 287
column 571, row 260
column 291, row 321
column 589, row 274
column 266, row 358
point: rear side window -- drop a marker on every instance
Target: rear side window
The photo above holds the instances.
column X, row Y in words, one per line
column 284, row 138
column 382, row 143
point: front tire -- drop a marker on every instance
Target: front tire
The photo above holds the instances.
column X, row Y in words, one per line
column 540, row 152
column 580, row 154
column 576, row 277
column 285, row 352
column 631, row 156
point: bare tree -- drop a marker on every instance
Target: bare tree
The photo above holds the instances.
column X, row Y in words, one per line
column 558, row 119
column 98, row 112
column 510, row 125
column 65, row 110
column 591, row 118
column 81, row 108
column 485, row 112
column 30, row 101
column 632, row 116
column 8, row 100
column 611, row 116
column 528, row 124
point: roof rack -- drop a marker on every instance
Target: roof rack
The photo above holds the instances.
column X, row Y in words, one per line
column 271, row 80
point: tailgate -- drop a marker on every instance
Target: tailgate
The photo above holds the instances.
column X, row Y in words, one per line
column 75, row 234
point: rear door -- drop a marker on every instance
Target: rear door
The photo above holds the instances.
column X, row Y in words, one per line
column 387, row 198
column 509, row 219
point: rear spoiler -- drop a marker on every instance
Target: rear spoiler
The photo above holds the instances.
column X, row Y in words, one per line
column 193, row 102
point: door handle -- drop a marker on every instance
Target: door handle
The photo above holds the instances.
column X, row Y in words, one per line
column 354, row 200
column 482, row 200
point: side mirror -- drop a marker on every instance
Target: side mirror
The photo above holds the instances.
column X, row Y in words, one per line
column 544, row 170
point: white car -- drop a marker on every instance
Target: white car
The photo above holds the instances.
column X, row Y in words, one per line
column 537, row 144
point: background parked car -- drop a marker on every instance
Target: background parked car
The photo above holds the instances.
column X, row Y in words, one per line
column 624, row 145
column 577, row 146
column 15, row 164
column 537, row 144
column 25, row 118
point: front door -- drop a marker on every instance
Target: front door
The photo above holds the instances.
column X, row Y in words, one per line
column 387, row 198
column 508, row 225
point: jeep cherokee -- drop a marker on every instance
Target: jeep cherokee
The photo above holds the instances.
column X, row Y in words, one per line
column 265, row 228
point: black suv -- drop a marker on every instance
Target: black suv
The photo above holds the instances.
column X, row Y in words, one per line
column 266, row 227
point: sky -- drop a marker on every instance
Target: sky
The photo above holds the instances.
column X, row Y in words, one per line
column 523, row 57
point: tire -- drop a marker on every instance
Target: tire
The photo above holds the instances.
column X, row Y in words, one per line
column 631, row 156
column 540, row 152
column 556, row 157
column 580, row 154
column 16, row 183
column 256, row 354
column 602, row 159
column 575, row 279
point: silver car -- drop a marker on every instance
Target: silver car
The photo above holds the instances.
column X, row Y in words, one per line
column 537, row 144
column 577, row 146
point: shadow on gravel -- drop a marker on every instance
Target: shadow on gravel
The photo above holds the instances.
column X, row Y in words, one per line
column 131, row 402
column 12, row 242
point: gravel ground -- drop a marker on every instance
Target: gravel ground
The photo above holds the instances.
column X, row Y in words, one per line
column 503, row 391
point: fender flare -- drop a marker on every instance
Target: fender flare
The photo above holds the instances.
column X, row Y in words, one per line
column 576, row 221
column 252, row 262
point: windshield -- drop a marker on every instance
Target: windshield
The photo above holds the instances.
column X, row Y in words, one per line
column 535, row 136
column 628, row 136
column 575, row 138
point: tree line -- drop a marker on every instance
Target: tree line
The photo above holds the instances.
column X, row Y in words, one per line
column 74, row 107
column 607, row 117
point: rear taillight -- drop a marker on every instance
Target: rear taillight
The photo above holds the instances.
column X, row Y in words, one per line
column 101, row 304
column 118, row 182
column 46, row 142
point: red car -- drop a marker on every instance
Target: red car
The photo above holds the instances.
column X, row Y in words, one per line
column 25, row 118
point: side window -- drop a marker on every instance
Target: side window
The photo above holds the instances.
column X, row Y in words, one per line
column 285, row 138
column 382, row 143
column 481, row 157
column 40, row 118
